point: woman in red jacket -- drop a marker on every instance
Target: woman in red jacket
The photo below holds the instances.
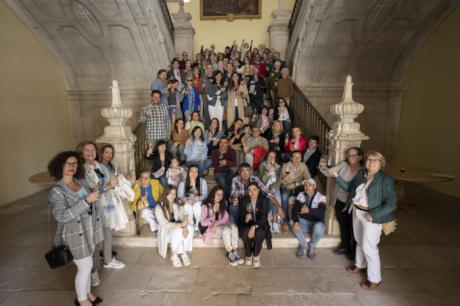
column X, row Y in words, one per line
column 296, row 142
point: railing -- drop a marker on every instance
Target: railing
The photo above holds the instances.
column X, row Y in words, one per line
column 140, row 147
column 294, row 15
column 167, row 15
column 308, row 119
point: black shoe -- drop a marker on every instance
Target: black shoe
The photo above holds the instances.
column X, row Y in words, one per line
column 97, row 300
column 101, row 254
column 340, row 251
column 76, row 302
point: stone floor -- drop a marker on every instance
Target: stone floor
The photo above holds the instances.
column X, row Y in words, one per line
column 421, row 266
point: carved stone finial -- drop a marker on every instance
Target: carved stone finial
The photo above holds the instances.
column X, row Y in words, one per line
column 181, row 17
column 116, row 98
column 347, row 110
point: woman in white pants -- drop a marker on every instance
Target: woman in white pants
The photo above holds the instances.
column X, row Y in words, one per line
column 174, row 229
column 79, row 222
column 215, row 223
column 216, row 94
column 192, row 191
column 372, row 198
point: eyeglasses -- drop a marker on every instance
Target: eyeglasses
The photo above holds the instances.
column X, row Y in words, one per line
column 189, row 80
column 71, row 165
column 145, row 177
column 371, row 160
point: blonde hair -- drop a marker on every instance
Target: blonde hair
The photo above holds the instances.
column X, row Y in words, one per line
column 379, row 156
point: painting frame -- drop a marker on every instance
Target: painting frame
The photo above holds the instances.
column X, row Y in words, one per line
column 206, row 11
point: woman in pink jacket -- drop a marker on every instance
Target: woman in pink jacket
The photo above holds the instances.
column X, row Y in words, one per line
column 215, row 223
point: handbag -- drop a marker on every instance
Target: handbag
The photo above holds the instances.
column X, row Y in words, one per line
column 389, row 227
column 58, row 256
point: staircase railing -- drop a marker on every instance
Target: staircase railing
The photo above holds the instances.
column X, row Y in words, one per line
column 167, row 15
column 308, row 119
column 140, row 147
column 294, row 15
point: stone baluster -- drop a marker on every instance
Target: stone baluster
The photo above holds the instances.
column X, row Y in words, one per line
column 183, row 31
column 119, row 135
column 279, row 29
column 345, row 133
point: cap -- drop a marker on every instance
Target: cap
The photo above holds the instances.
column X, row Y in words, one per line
column 309, row 181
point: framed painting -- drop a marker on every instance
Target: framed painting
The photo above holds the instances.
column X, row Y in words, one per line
column 230, row 9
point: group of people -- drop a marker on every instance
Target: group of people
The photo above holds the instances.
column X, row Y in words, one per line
column 230, row 112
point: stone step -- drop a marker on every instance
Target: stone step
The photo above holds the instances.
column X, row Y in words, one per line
column 278, row 241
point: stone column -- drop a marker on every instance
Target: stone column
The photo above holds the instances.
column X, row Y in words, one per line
column 345, row 133
column 119, row 135
column 183, row 31
column 279, row 29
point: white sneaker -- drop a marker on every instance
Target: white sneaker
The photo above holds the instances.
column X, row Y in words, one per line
column 114, row 264
column 185, row 260
column 248, row 261
column 256, row 262
column 176, row 261
column 239, row 260
column 95, row 281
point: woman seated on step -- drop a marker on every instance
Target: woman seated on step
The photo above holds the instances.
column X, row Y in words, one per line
column 193, row 191
column 215, row 223
column 196, row 151
column 253, row 226
column 174, row 228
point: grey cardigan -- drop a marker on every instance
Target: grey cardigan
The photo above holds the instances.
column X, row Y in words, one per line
column 76, row 227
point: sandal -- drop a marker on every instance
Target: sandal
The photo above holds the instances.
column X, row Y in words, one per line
column 354, row 269
column 369, row 285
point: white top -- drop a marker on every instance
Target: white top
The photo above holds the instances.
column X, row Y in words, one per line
column 360, row 197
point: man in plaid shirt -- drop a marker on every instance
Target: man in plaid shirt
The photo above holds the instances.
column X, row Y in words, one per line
column 156, row 118
column 240, row 190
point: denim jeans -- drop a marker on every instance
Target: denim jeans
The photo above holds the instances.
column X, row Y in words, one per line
column 285, row 195
column 224, row 179
column 202, row 167
column 234, row 211
column 278, row 198
column 315, row 228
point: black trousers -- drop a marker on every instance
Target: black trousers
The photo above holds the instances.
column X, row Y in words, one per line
column 253, row 246
column 347, row 240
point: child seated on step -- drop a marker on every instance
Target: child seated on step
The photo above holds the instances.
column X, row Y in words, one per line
column 175, row 173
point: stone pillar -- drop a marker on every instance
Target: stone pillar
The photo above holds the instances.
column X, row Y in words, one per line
column 279, row 29
column 119, row 135
column 345, row 133
column 183, row 31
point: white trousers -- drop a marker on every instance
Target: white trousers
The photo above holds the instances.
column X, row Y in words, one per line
column 194, row 213
column 83, row 277
column 148, row 215
column 229, row 233
column 179, row 244
column 216, row 111
column 367, row 236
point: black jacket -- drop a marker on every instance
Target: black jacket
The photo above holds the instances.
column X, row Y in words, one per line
column 312, row 163
column 316, row 205
column 157, row 162
column 261, row 216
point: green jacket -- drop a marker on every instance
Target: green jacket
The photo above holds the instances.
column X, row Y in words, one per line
column 381, row 194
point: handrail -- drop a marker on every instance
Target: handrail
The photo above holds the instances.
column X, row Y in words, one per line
column 140, row 147
column 308, row 119
column 167, row 15
column 294, row 15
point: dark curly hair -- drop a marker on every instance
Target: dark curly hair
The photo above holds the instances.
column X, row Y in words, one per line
column 56, row 165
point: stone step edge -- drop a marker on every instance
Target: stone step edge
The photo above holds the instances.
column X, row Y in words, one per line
column 277, row 242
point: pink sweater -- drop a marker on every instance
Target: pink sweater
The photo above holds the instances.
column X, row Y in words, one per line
column 206, row 221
